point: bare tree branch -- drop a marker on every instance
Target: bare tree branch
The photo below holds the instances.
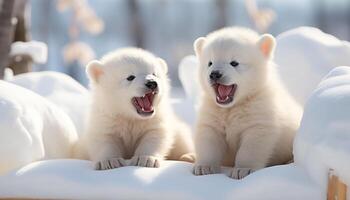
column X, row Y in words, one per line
column 6, row 33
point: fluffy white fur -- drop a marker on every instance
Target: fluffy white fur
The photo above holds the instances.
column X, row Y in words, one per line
column 257, row 128
column 116, row 131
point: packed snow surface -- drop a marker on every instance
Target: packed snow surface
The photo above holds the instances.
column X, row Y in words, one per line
column 68, row 179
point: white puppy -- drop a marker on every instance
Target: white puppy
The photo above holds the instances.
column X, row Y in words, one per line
column 131, row 116
column 246, row 118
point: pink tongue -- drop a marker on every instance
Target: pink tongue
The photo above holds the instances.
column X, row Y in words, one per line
column 144, row 103
column 224, row 90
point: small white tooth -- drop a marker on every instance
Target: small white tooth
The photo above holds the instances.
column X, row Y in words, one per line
column 219, row 99
column 143, row 110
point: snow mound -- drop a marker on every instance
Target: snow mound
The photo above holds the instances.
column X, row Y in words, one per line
column 72, row 179
column 322, row 142
column 31, row 128
column 186, row 107
column 37, row 50
column 305, row 55
column 60, row 89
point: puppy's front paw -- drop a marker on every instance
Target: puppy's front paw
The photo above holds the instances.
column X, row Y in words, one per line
column 239, row 173
column 110, row 164
column 145, row 161
column 205, row 169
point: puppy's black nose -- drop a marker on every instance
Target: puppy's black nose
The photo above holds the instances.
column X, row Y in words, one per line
column 151, row 85
column 215, row 75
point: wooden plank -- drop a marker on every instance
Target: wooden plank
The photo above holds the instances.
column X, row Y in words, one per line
column 336, row 188
column 331, row 186
column 341, row 190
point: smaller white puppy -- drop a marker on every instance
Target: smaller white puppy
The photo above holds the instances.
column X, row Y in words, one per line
column 246, row 118
column 131, row 116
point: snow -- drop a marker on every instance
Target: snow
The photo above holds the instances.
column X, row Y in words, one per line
column 322, row 142
column 305, row 55
column 61, row 90
column 188, row 76
column 31, row 128
column 307, row 61
column 69, row 179
column 8, row 74
column 185, row 107
column 37, row 50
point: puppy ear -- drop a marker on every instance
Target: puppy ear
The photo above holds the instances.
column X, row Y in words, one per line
column 94, row 70
column 267, row 45
column 198, row 45
column 163, row 65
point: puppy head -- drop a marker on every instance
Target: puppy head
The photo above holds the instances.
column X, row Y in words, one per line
column 130, row 82
column 233, row 63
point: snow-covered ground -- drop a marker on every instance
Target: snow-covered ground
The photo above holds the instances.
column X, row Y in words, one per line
column 323, row 141
column 68, row 179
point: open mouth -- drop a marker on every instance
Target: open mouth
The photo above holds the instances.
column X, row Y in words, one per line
column 144, row 104
column 224, row 93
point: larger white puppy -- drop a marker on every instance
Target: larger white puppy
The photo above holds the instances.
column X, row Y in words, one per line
column 246, row 119
column 131, row 116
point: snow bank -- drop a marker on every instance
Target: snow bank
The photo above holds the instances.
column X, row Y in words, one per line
column 31, row 128
column 60, row 89
column 322, row 142
column 305, row 55
column 71, row 179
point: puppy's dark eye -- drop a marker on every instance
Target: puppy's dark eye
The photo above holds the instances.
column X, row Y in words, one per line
column 131, row 77
column 234, row 63
column 210, row 63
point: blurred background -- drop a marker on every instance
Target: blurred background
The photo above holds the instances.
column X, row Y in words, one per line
column 76, row 31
